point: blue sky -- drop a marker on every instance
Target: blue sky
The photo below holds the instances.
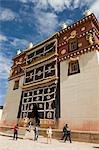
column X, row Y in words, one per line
column 25, row 21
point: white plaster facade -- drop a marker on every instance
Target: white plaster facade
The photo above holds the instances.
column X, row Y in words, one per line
column 0, row 113
column 79, row 93
column 12, row 102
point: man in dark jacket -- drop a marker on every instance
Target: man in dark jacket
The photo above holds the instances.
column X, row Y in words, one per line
column 67, row 134
column 64, row 131
column 35, row 133
column 15, row 136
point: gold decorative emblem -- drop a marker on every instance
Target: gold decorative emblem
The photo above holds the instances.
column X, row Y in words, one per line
column 73, row 34
column 90, row 38
column 64, row 38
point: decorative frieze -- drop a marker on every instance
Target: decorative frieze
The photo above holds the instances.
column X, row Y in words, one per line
column 78, row 23
column 88, row 34
column 80, row 52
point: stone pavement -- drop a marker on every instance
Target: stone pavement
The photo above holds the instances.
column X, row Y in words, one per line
column 7, row 143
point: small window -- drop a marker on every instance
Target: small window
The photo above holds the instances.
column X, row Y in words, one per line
column 16, row 85
column 73, row 67
column 73, row 45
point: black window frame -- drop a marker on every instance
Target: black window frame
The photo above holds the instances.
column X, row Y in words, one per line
column 72, row 43
column 76, row 67
column 16, row 85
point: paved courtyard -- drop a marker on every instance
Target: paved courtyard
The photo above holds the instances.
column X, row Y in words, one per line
column 6, row 143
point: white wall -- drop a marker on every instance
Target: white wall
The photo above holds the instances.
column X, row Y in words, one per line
column 79, row 93
column 1, row 113
column 12, row 102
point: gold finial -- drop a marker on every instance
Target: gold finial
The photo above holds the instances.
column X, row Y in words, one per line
column 64, row 25
column 87, row 12
column 18, row 52
column 30, row 45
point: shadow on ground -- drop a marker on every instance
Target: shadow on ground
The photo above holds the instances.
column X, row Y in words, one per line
column 95, row 146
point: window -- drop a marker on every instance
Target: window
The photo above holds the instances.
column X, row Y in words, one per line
column 73, row 45
column 73, row 67
column 49, row 46
column 16, row 85
column 29, row 76
column 45, row 50
column 40, row 52
column 40, row 73
column 50, row 69
column 43, row 97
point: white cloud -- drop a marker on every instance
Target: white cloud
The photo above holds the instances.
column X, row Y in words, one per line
column 3, row 37
column 23, row 1
column 59, row 5
column 5, row 64
column 95, row 8
column 67, row 22
column 88, row 4
column 46, row 22
column 7, row 15
column 7, row 48
column 41, row 4
column 2, row 97
column 16, row 42
column 76, row 4
column 7, row 42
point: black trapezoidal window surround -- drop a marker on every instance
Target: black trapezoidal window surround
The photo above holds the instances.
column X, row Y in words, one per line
column 73, row 45
column 73, row 67
column 16, row 85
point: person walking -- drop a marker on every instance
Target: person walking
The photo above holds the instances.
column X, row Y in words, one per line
column 67, row 134
column 15, row 136
column 35, row 133
column 64, row 131
column 49, row 135
column 30, row 125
